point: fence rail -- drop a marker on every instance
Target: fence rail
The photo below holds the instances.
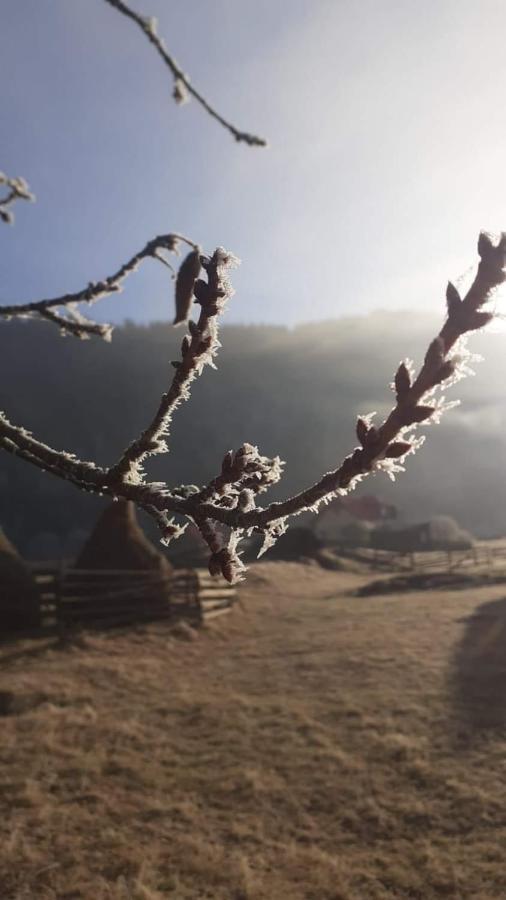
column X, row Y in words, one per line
column 437, row 560
column 74, row 597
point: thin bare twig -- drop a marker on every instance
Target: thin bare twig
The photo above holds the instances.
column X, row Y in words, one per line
column 76, row 324
column 229, row 500
column 182, row 83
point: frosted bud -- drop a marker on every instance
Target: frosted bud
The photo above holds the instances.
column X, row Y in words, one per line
column 187, row 275
column 402, row 381
column 180, row 92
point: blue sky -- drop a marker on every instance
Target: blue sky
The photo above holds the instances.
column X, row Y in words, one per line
column 387, row 131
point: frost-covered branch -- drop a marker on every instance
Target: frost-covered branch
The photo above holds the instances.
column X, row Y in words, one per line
column 385, row 446
column 20, row 442
column 73, row 322
column 198, row 348
column 183, row 87
column 12, row 189
column 225, row 510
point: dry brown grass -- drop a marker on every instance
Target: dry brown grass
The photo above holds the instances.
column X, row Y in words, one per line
column 314, row 746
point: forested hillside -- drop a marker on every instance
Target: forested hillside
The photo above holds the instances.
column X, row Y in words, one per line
column 292, row 392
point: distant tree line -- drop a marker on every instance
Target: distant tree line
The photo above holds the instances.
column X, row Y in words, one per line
column 294, row 392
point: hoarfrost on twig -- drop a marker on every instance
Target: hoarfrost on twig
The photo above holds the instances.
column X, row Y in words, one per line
column 225, row 509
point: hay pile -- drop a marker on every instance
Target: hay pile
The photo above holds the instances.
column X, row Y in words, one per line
column 19, row 595
column 189, row 551
column 296, row 544
column 118, row 542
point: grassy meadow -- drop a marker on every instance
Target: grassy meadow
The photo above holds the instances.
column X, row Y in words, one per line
column 312, row 745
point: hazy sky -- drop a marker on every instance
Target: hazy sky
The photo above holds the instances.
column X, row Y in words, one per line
column 388, row 140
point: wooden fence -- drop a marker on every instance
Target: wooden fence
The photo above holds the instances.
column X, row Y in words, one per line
column 478, row 556
column 71, row 598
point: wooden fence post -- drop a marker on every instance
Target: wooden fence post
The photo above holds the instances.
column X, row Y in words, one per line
column 58, row 590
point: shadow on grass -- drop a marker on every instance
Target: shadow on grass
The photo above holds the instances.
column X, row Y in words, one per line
column 479, row 671
column 11, row 651
column 429, row 581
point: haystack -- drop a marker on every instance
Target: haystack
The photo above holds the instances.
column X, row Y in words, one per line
column 190, row 550
column 118, row 542
column 19, row 596
column 296, row 544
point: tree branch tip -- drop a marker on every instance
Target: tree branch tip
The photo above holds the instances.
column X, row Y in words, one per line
column 182, row 86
